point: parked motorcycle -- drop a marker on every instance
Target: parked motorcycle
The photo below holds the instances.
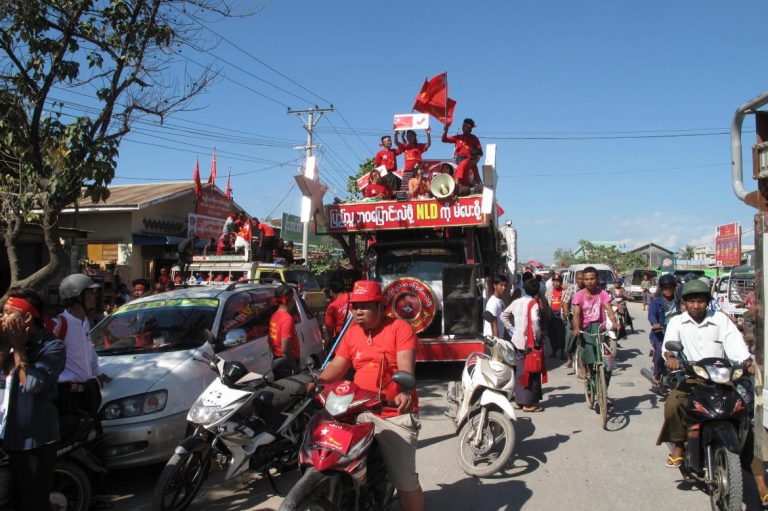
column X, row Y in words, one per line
column 343, row 467
column 480, row 406
column 76, row 464
column 718, row 425
column 243, row 421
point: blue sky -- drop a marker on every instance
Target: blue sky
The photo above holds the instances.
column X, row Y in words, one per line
column 554, row 84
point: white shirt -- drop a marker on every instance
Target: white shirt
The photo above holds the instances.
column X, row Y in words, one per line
column 715, row 336
column 519, row 310
column 495, row 306
column 82, row 362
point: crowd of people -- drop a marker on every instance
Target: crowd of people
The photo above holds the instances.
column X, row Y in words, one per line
column 385, row 184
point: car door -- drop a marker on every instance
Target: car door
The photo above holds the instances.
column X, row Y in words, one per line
column 246, row 318
column 308, row 331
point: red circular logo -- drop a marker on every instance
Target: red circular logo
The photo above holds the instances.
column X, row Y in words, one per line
column 411, row 300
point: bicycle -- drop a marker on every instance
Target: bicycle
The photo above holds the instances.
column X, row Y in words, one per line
column 595, row 386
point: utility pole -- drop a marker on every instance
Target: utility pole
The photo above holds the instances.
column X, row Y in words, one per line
column 310, row 171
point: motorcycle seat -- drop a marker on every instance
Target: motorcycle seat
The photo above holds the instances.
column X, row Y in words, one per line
column 294, row 388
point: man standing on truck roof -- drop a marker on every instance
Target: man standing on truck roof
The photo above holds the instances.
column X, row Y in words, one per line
column 465, row 142
column 388, row 157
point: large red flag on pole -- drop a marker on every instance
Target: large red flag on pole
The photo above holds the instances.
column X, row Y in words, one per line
column 229, row 191
column 212, row 177
column 196, row 178
column 433, row 99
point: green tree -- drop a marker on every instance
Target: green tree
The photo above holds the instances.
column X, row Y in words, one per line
column 611, row 256
column 687, row 252
column 118, row 54
column 364, row 169
column 564, row 257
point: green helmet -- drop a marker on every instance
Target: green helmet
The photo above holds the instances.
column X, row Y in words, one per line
column 696, row 287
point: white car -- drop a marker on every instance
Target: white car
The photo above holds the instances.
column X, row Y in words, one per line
column 153, row 350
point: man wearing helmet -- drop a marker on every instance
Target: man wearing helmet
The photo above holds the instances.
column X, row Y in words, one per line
column 80, row 379
column 660, row 311
column 703, row 334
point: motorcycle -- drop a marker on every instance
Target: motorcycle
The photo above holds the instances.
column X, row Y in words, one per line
column 243, row 421
column 343, row 466
column 76, row 464
column 668, row 380
column 718, row 426
column 480, row 406
column 619, row 305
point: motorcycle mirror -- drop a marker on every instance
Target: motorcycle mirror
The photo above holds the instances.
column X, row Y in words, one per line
column 489, row 317
column 675, row 346
column 404, row 380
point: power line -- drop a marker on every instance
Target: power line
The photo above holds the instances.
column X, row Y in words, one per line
column 617, row 172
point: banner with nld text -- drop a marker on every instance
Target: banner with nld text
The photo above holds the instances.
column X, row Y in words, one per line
column 374, row 216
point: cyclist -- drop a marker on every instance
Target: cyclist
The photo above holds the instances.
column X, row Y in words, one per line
column 591, row 305
column 660, row 311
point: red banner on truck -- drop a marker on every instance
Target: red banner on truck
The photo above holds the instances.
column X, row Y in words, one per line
column 374, row 216
column 728, row 245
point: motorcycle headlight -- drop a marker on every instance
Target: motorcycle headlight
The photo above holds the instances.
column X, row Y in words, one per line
column 133, row 406
column 336, row 405
column 701, row 372
column 719, row 374
column 206, row 414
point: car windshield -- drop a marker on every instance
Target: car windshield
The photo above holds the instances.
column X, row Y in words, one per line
column 422, row 263
column 306, row 279
column 158, row 325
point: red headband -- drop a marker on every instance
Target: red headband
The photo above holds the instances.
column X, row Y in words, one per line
column 21, row 305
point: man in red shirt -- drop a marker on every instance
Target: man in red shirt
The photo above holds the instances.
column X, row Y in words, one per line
column 338, row 310
column 376, row 189
column 376, row 347
column 388, row 157
column 268, row 241
column 282, row 331
column 465, row 142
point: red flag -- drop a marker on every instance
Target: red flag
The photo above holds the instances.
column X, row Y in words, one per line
column 212, row 177
column 433, row 99
column 499, row 210
column 196, row 178
column 229, row 191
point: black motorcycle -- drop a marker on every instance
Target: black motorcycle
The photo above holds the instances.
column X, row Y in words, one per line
column 718, row 426
column 77, row 465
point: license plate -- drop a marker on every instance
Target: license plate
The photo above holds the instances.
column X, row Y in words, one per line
column 333, row 438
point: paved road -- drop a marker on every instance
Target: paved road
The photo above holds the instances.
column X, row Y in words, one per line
column 562, row 458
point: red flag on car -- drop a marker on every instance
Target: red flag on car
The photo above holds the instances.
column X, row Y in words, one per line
column 212, row 177
column 196, row 178
column 229, row 191
column 433, row 99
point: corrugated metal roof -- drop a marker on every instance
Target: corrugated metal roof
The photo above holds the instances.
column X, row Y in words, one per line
column 136, row 195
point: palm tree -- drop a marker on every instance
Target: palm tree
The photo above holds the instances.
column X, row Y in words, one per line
column 687, row 252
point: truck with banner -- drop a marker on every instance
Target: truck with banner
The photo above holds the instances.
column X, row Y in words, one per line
column 433, row 256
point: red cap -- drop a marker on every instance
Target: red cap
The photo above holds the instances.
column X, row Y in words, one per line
column 366, row 291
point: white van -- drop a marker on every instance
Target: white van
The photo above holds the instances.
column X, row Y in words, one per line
column 604, row 272
column 154, row 349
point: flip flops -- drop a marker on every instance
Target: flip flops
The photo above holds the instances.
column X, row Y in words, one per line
column 533, row 409
column 673, row 462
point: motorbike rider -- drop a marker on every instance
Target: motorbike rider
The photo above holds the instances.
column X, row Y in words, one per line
column 377, row 346
column 282, row 332
column 80, row 381
column 660, row 311
column 703, row 334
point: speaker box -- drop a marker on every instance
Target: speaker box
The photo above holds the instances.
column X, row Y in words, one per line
column 459, row 282
column 461, row 317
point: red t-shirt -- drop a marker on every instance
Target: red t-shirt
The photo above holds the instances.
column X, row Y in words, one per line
column 464, row 144
column 375, row 364
column 267, row 230
column 281, row 326
column 557, row 299
column 388, row 158
column 412, row 153
column 376, row 189
column 336, row 315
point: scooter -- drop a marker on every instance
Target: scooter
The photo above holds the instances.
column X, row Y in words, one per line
column 76, row 465
column 718, row 425
column 343, row 467
column 480, row 406
column 243, row 421
column 622, row 314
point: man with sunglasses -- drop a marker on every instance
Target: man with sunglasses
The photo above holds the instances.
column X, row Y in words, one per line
column 377, row 346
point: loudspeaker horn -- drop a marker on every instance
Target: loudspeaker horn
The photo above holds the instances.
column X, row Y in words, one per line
column 442, row 186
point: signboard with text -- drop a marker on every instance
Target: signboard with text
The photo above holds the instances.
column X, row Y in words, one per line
column 213, row 203
column 404, row 122
column 205, row 227
column 728, row 245
column 374, row 216
column 292, row 230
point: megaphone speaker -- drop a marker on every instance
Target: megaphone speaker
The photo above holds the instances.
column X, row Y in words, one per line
column 442, row 186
